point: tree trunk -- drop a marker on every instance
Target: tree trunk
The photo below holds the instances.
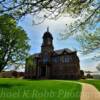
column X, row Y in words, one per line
column 1, row 68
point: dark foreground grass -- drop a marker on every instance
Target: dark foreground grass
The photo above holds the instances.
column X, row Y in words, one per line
column 15, row 89
column 96, row 83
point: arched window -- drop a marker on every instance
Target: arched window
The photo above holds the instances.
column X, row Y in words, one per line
column 45, row 58
column 66, row 59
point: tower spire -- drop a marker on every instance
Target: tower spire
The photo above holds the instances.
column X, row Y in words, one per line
column 48, row 29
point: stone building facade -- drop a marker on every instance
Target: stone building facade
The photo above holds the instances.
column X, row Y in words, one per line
column 54, row 64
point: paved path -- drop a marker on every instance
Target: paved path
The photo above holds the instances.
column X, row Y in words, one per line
column 89, row 92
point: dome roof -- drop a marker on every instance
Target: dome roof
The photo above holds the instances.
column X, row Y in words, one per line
column 47, row 34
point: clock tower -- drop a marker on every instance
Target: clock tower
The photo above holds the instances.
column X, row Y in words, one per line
column 47, row 45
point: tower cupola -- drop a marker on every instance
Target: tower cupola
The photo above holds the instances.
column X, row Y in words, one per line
column 47, row 34
column 47, row 45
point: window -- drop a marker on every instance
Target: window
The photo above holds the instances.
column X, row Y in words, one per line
column 65, row 59
column 49, row 41
column 45, row 58
column 56, row 59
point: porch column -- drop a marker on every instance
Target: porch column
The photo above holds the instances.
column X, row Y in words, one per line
column 46, row 71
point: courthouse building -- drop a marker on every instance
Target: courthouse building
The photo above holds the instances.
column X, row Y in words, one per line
column 53, row 64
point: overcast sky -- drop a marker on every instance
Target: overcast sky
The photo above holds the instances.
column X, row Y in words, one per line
column 35, row 33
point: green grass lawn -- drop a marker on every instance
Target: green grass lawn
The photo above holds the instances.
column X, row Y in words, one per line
column 16, row 89
column 96, row 83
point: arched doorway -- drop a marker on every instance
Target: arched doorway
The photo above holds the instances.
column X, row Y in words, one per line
column 43, row 71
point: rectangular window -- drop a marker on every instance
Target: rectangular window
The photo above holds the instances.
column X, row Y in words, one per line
column 55, row 59
column 65, row 59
